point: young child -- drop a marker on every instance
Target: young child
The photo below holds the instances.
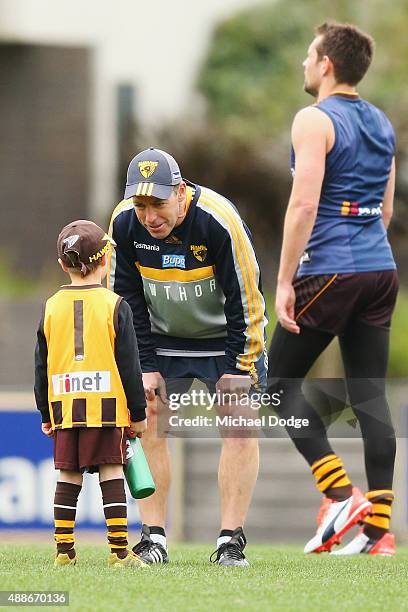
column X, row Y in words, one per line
column 88, row 388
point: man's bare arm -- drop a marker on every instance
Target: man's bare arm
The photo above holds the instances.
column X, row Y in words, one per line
column 312, row 132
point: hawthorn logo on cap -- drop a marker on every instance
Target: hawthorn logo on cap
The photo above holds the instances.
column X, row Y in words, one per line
column 69, row 242
column 147, row 168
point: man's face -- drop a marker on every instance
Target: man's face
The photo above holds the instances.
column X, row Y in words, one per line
column 160, row 217
column 313, row 69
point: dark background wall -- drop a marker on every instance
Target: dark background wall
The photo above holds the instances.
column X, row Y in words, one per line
column 44, row 149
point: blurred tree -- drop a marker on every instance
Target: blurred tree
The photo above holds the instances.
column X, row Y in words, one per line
column 252, row 77
column 252, row 80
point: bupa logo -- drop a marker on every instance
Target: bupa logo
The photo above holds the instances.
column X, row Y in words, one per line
column 173, row 261
column 79, row 382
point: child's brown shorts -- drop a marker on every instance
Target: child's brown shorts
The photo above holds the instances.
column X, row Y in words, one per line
column 88, row 447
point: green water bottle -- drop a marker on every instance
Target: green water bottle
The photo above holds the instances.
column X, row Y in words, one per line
column 137, row 471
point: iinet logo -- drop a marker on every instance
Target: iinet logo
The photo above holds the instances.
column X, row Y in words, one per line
column 79, row 382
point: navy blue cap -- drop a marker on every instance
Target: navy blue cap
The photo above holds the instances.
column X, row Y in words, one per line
column 152, row 173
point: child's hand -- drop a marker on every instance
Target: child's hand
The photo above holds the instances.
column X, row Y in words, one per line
column 46, row 428
column 136, row 429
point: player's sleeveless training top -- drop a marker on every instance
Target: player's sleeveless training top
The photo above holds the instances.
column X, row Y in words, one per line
column 84, row 384
column 349, row 235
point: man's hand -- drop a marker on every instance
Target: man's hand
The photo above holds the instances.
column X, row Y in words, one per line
column 46, row 428
column 153, row 381
column 239, row 384
column 285, row 307
column 136, row 429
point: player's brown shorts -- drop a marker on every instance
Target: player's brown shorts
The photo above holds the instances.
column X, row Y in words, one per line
column 88, row 447
column 330, row 302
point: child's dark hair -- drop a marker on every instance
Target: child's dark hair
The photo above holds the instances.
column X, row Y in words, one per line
column 75, row 266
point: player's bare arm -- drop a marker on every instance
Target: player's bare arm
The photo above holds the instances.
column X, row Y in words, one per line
column 312, row 138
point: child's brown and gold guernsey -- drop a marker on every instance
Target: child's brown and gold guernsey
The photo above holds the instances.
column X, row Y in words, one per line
column 84, row 385
column 88, row 388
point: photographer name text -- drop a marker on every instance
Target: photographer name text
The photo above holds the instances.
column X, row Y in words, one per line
column 241, row 421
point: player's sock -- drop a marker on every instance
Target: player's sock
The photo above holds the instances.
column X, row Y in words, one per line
column 331, row 478
column 152, row 547
column 377, row 523
column 230, row 549
column 65, row 505
column 115, row 509
column 158, row 535
column 224, row 537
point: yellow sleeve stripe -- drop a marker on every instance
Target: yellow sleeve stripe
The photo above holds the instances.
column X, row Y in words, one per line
column 110, row 522
column 123, row 205
column 248, row 271
column 248, row 275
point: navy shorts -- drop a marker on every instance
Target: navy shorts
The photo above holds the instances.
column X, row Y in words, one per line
column 330, row 302
column 180, row 372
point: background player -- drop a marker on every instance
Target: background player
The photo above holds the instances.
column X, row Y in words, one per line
column 340, row 206
column 185, row 263
column 87, row 384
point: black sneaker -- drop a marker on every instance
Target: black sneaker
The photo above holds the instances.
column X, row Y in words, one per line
column 148, row 551
column 231, row 553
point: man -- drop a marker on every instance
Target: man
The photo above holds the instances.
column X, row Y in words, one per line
column 185, row 263
column 346, row 285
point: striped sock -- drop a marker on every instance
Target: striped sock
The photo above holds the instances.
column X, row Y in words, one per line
column 65, row 504
column 378, row 521
column 331, row 477
column 115, row 509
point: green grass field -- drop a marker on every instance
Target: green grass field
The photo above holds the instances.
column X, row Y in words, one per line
column 280, row 578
